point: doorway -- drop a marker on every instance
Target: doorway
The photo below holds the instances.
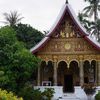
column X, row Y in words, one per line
column 68, row 83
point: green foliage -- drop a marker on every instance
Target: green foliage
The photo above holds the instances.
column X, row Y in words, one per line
column 17, row 64
column 96, row 29
column 28, row 35
column 84, row 21
column 48, row 93
column 97, row 97
column 92, row 10
column 4, row 95
column 35, row 94
column 6, row 40
column 29, row 94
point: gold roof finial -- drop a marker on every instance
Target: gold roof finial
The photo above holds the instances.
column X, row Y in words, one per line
column 66, row 1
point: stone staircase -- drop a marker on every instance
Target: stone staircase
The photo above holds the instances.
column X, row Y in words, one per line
column 69, row 96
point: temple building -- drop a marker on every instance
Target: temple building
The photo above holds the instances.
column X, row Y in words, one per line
column 70, row 57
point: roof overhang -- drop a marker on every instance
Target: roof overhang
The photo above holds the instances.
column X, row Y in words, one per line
column 83, row 32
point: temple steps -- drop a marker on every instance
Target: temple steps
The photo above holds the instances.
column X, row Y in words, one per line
column 69, row 96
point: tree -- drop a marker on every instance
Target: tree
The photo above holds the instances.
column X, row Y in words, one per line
column 96, row 29
column 12, row 18
column 28, row 35
column 17, row 64
column 84, row 21
column 25, row 33
column 93, row 8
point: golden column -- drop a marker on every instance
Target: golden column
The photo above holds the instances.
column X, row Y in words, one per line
column 55, row 71
column 81, row 71
column 38, row 82
column 98, row 73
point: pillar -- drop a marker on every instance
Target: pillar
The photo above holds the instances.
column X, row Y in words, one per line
column 81, row 73
column 38, row 76
column 55, row 74
column 98, row 73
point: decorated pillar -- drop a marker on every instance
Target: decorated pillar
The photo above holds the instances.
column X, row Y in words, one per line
column 98, row 72
column 81, row 73
column 38, row 83
column 55, row 74
column 55, row 70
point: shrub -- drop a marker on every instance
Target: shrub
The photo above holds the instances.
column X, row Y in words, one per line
column 37, row 95
column 4, row 95
column 97, row 97
column 48, row 93
column 28, row 93
column 89, row 88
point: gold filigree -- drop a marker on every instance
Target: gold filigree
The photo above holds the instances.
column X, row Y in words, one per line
column 67, row 46
column 62, row 34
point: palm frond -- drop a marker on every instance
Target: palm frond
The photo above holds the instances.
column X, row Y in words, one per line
column 98, row 7
column 91, row 12
column 87, row 9
column 12, row 18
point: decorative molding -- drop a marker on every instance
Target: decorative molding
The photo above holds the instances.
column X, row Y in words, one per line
column 68, row 46
column 69, row 58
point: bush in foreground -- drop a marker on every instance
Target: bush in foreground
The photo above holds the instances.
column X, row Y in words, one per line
column 4, row 95
column 29, row 93
column 97, row 97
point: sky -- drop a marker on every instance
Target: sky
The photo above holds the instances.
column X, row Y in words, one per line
column 40, row 14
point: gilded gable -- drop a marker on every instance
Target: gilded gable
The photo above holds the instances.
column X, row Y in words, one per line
column 68, row 46
column 67, row 40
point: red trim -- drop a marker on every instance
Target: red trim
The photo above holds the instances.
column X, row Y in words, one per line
column 92, row 43
column 57, row 23
column 40, row 46
column 71, row 15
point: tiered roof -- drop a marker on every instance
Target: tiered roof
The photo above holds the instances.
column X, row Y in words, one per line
column 83, row 33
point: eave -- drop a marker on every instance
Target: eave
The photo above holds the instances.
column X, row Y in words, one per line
column 83, row 32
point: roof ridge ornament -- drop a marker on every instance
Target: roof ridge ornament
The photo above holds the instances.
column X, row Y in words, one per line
column 66, row 1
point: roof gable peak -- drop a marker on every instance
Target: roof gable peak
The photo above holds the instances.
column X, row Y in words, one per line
column 66, row 1
column 82, row 32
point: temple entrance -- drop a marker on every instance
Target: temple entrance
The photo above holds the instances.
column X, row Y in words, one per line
column 68, row 77
column 65, row 77
column 68, row 83
column 74, row 71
